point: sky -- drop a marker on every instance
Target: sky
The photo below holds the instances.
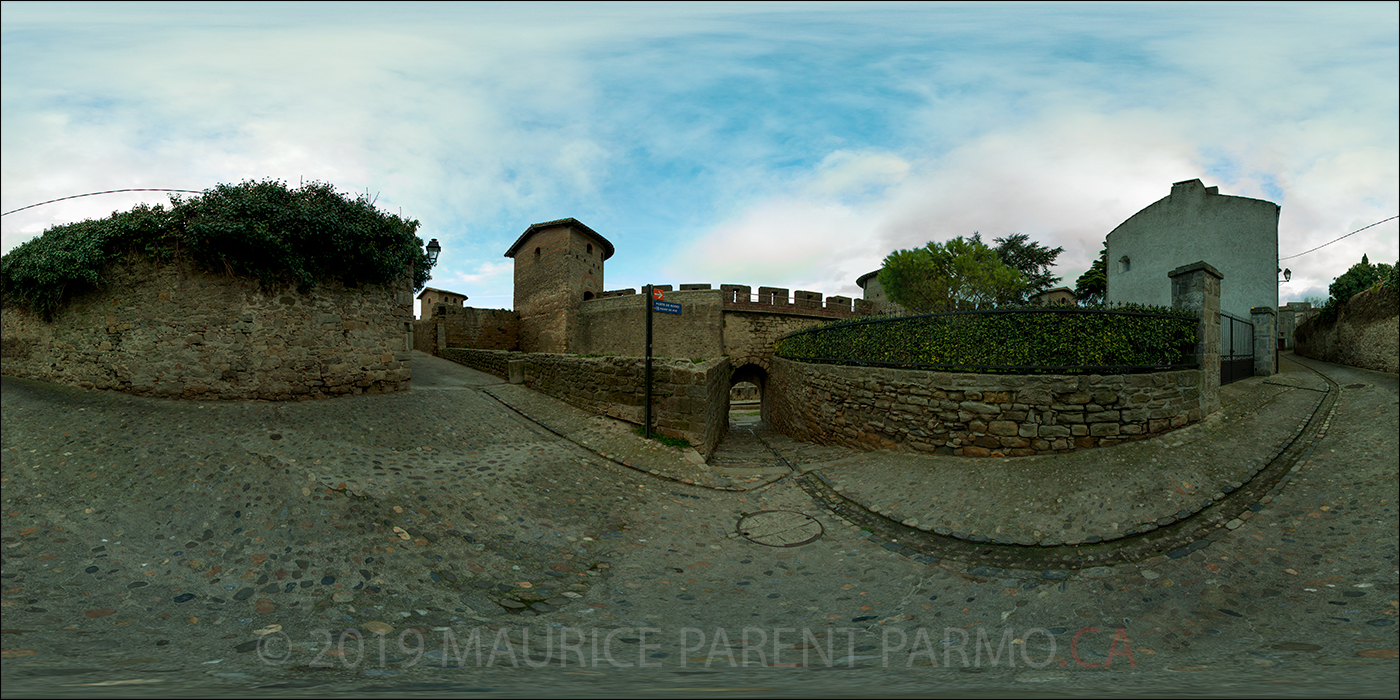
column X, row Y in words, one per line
column 778, row 144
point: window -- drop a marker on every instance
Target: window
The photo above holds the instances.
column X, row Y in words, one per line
column 537, row 253
column 1124, row 264
column 590, row 248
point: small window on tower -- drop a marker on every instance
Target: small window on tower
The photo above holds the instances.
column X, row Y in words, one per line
column 1124, row 264
column 590, row 248
column 537, row 253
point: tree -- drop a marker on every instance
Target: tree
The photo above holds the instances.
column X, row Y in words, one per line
column 1092, row 286
column 1359, row 278
column 263, row 230
column 946, row 276
column 1031, row 259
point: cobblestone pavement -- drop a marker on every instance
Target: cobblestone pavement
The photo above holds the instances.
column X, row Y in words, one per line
column 356, row 545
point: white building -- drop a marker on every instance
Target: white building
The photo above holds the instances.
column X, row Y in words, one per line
column 1236, row 235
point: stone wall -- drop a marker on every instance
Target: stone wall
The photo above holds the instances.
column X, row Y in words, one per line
column 467, row 327
column 1365, row 334
column 749, row 336
column 690, row 401
column 163, row 331
column 974, row 415
column 616, row 325
column 425, row 336
column 495, row 362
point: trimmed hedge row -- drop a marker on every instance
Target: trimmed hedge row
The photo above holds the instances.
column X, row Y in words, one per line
column 1039, row 340
column 262, row 230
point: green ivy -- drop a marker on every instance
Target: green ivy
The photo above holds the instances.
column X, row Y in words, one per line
column 262, row 230
column 1022, row 340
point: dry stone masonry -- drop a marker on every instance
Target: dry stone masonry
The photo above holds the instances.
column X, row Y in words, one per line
column 690, row 400
column 1365, row 334
column 974, row 415
column 160, row 330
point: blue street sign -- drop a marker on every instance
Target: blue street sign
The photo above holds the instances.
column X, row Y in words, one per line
column 666, row 307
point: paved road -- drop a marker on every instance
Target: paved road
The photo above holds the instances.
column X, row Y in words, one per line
column 149, row 547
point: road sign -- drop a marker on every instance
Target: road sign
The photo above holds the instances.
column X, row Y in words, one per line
column 656, row 293
column 667, row 307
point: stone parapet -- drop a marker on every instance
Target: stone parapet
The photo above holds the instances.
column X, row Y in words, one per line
column 974, row 415
column 690, row 400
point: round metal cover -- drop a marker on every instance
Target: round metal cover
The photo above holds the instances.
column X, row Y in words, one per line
column 780, row 528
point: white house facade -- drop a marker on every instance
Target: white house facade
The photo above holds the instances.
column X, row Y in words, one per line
column 1236, row 235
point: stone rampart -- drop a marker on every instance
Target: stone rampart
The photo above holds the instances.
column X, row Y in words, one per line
column 467, row 327
column 1365, row 334
column 713, row 322
column 158, row 329
column 616, row 325
column 974, row 415
column 690, row 401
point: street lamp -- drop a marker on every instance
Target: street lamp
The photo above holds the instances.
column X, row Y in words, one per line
column 433, row 250
column 1287, row 275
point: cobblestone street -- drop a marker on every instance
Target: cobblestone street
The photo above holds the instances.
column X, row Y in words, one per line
column 356, row 545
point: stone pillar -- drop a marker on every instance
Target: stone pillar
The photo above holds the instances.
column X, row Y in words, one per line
column 1265, row 347
column 1196, row 288
column 440, row 328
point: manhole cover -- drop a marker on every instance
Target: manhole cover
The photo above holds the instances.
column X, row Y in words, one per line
column 780, row 528
column 1356, row 386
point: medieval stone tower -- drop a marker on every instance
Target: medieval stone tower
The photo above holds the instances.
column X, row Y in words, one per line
column 558, row 265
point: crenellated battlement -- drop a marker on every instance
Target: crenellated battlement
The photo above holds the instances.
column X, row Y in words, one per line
column 740, row 297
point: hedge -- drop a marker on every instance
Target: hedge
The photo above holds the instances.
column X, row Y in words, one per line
column 1036, row 340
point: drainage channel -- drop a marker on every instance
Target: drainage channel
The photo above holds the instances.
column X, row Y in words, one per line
column 1175, row 539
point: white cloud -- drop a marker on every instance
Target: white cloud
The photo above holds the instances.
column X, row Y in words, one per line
column 774, row 144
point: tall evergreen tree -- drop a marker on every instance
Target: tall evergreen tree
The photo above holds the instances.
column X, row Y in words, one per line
column 1092, row 286
column 1031, row 259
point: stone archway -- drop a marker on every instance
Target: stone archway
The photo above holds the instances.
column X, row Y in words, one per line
column 746, row 387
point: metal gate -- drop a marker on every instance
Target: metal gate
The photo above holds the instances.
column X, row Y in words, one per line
column 1236, row 349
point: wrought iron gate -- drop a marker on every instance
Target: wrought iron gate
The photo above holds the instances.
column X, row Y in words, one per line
column 1236, row 349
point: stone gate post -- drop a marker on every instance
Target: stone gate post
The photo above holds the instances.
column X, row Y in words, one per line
column 1265, row 321
column 1196, row 288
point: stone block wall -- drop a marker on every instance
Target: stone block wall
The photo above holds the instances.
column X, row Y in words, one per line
column 425, row 336
column 1366, row 333
column 749, row 337
column 974, row 415
column 155, row 329
column 495, row 362
column 616, row 325
column 690, row 401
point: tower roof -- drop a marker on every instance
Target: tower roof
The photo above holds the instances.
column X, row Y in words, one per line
column 571, row 223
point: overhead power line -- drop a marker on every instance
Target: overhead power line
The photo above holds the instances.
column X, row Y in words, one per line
column 1324, row 245
column 60, row 199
